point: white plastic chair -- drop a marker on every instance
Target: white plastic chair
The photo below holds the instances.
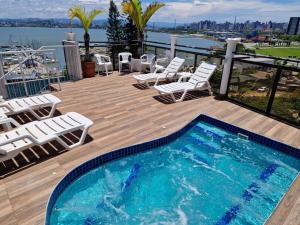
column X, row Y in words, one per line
column 103, row 61
column 148, row 61
column 124, row 58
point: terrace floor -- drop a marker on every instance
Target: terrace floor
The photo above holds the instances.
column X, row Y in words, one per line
column 123, row 115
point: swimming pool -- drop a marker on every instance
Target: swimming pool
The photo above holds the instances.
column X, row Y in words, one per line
column 207, row 173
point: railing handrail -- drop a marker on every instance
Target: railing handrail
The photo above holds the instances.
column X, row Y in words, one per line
column 267, row 56
column 276, row 66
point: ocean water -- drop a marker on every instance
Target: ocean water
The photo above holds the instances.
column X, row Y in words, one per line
column 207, row 176
column 37, row 37
column 54, row 36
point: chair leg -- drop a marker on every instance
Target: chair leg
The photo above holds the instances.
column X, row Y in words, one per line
column 106, row 70
column 147, row 84
column 81, row 140
column 182, row 96
column 209, row 89
column 173, row 97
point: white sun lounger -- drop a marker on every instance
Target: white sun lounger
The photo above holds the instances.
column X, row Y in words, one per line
column 29, row 104
column 169, row 73
column 198, row 81
column 41, row 132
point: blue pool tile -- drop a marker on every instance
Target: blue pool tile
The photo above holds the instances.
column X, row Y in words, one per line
column 132, row 176
column 229, row 215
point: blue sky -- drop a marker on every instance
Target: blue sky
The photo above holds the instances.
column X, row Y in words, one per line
column 181, row 10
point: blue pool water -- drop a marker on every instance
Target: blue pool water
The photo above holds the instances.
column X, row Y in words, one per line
column 206, row 176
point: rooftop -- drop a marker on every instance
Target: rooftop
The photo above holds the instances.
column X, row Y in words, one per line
column 123, row 115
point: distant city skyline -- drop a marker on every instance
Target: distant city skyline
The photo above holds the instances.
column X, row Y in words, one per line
column 183, row 11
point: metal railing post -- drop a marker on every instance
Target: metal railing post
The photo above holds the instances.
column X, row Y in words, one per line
column 195, row 62
column 113, row 57
column 3, row 89
column 57, row 73
column 273, row 92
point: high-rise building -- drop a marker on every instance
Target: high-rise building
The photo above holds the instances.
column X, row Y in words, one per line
column 294, row 26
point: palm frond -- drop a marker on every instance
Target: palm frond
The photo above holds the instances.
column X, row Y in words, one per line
column 150, row 10
column 90, row 17
column 133, row 10
column 84, row 17
column 76, row 11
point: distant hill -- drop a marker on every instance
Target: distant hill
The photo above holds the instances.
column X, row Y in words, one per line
column 63, row 22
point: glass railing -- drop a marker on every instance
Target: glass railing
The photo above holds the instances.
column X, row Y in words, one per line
column 286, row 102
column 29, row 72
column 265, row 86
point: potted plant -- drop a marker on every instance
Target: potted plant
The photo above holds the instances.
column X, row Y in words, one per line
column 86, row 18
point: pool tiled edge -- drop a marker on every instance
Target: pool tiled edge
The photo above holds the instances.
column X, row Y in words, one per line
column 116, row 154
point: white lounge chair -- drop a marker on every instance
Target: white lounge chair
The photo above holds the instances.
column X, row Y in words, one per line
column 198, row 81
column 29, row 104
column 169, row 73
column 41, row 132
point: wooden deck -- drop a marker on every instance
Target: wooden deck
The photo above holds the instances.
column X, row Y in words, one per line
column 123, row 115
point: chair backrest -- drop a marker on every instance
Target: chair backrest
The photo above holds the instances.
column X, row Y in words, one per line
column 203, row 73
column 149, row 58
column 125, row 56
column 102, row 58
column 174, row 65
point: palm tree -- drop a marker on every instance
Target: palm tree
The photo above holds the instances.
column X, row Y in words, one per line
column 86, row 19
column 134, row 9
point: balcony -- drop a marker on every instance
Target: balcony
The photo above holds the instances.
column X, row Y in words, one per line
column 124, row 115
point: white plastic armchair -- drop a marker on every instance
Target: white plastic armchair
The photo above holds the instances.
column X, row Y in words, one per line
column 103, row 61
column 124, row 58
column 148, row 61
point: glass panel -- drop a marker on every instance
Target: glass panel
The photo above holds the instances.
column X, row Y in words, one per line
column 149, row 50
column 162, row 53
column 216, row 78
column 251, row 84
column 287, row 98
column 188, row 65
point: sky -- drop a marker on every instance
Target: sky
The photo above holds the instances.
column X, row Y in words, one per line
column 182, row 10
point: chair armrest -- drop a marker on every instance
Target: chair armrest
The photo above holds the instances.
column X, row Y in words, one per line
column 106, row 57
column 201, row 82
column 180, row 79
column 158, row 67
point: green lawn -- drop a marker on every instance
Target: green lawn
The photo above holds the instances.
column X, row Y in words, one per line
column 280, row 52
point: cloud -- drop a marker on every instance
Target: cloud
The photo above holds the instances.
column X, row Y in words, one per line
column 222, row 10
column 181, row 10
